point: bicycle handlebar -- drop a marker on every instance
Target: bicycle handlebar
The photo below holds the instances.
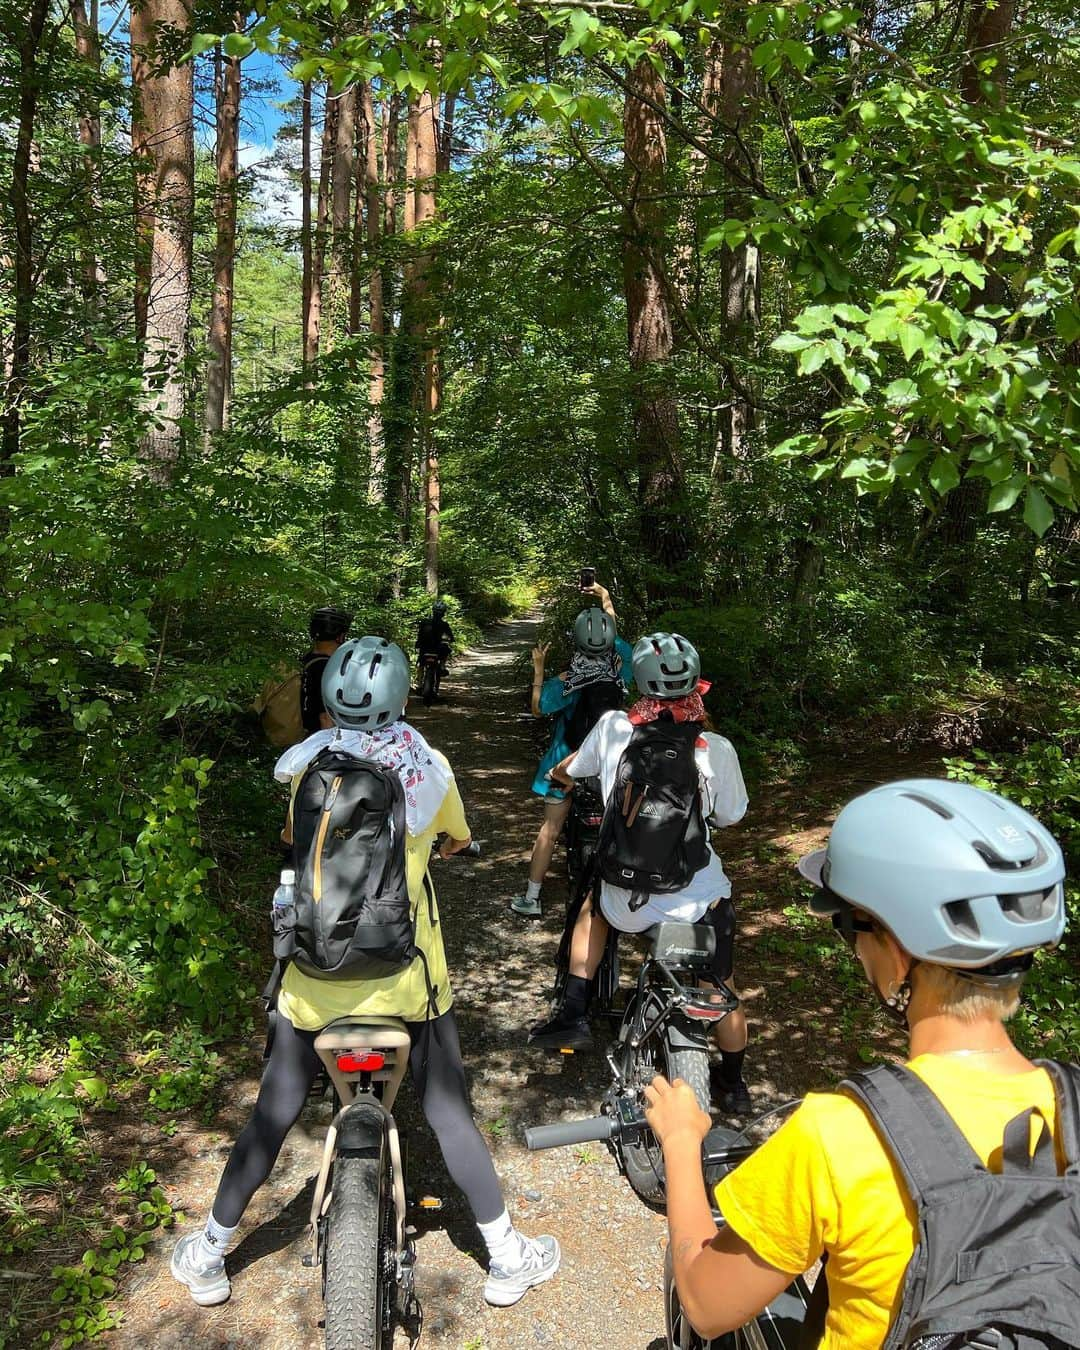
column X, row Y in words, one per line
column 596, row 1128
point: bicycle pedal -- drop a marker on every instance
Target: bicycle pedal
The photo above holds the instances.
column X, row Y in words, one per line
column 430, row 1202
column 566, row 1050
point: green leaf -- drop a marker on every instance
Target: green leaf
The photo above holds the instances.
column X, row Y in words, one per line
column 203, row 42
column 813, row 358
column 1038, row 513
column 912, row 339
column 943, row 474
column 790, row 342
column 238, row 45
column 1004, row 495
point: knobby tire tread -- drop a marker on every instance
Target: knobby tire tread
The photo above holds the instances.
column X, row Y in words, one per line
column 643, row 1162
column 354, row 1256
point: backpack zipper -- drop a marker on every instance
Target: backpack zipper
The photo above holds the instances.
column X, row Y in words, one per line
column 320, row 839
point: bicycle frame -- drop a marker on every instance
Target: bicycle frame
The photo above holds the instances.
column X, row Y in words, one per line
column 357, row 1037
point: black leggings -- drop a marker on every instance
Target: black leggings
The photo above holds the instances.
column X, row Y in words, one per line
column 439, row 1077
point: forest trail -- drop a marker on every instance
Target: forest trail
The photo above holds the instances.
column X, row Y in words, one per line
column 612, row 1244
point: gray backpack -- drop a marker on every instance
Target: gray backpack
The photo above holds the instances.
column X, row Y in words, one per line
column 997, row 1256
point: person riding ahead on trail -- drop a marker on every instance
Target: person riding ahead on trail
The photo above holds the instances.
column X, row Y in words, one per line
column 434, row 635
column 592, row 684
column 663, row 730
column 944, row 891
column 365, row 688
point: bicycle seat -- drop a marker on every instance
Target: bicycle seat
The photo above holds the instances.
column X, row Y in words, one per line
column 689, row 945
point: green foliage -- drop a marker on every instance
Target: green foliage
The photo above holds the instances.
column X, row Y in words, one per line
column 1045, row 779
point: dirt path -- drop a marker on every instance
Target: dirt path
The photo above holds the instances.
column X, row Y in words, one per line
column 608, row 1291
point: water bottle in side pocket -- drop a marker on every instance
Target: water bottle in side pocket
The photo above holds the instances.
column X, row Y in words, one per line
column 283, row 914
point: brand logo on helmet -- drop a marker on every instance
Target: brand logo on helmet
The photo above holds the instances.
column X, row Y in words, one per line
column 1009, row 832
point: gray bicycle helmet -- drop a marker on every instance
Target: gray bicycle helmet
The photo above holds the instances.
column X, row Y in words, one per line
column 366, row 684
column 961, row 877
column 438, row 609
column 594, row 632
column 666, row 665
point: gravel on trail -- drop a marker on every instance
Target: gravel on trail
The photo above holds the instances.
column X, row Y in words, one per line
column 609, row 1290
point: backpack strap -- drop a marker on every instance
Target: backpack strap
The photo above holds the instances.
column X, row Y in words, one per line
column 1066, row 1080
column 1016, row 1155
column 919, row 1134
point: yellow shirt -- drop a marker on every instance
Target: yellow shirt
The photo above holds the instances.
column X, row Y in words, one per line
column 823, row 1183
column 310, row 1004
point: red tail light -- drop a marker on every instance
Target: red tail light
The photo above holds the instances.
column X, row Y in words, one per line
column 367, row 1061
column 706, row 1012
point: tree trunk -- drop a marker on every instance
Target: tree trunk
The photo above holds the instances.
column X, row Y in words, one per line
column 305, row 215
column 664, row 524
column 165, row 103
column 88, row 47
column 377, row 375
column 19, row 367
column 322, row 220
column 343, row 172
column 428, row 329
column 219, row 370
column 740, row 265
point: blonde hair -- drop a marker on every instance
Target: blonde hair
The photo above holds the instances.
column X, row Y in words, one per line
column 963, row 998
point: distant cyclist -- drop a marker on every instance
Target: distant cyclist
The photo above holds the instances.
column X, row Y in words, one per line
column 592, row 683
column 328, row 628
column 944, row 891
column 435, row 636
column 670, row 709
column 365, row 688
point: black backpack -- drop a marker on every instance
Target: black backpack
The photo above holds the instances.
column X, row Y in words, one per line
column 593, row 701
column 997, row 1260
column 653, row 838
column 353, row 918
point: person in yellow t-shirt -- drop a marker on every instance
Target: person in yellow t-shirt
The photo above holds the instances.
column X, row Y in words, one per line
column 944, row 891
column 365, row 687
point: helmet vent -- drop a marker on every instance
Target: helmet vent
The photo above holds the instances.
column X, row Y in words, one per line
column 930, row 805
column 1000, row 864
column 1031, row 907
column 962, row 920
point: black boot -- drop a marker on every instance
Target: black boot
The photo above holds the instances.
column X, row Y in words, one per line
column 569, row 1028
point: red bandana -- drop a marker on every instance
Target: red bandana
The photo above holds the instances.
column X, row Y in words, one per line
column 689, row 708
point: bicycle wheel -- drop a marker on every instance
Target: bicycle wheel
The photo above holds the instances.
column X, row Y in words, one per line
column 643, row 1159
column 359, row 1261
column 427, row 686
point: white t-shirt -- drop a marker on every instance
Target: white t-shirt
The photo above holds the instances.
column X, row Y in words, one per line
column 723, row 800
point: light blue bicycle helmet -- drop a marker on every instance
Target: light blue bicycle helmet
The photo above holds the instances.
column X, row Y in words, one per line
column 961, row 877
column 365, row 685
column 666, row 665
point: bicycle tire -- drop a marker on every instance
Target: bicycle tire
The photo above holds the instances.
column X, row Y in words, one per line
column 359, row 1271
column 427, row 686
column 642, row 1160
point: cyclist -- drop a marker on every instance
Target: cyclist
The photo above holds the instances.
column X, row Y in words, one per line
column 305, row 1005
column 598, row 659
column 667, row 671
column 328, row 628
column 434, row 634
column 944, row 891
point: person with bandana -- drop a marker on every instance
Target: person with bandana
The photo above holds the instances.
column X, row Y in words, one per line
column 573, row 700
column 368, row 710
column 667, row 672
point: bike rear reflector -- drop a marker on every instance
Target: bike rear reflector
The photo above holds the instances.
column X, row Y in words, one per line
column 706, row 1012
column 366, row 1061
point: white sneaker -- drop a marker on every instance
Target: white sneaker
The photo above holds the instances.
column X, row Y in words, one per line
column 206, row 1281
column 527, row 908
column 541, row 1257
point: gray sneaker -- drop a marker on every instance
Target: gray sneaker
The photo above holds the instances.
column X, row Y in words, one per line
column 207, row 1282
column 528, row 909
column 541, row 1261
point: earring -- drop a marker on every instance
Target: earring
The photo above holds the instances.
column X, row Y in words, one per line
column 898, row 995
